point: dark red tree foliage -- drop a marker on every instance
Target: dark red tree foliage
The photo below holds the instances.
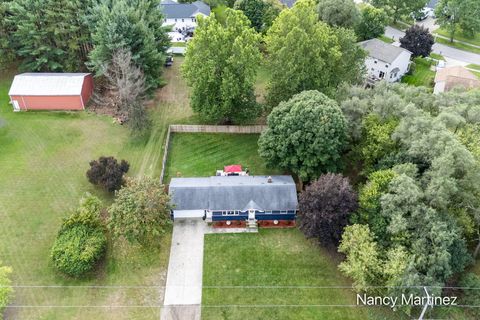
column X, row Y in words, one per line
column 325, row 206
column 107, row 173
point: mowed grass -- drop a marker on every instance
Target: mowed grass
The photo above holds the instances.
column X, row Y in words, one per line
column 386, row 39
column 458, row 45
column 201, row 154
column 281, row 257
column 460, row 36
column 422, row 75
column 43, row 160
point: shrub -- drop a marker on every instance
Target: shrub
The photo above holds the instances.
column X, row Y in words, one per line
column 141, row 211
column 81, row 241
column 6, row 291
column 107, row 173
column 78, row 248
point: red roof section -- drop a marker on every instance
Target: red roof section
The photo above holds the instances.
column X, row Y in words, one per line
column 233, row 168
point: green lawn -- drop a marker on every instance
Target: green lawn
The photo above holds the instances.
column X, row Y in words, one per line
column 179, row 44
column 280, row 257
column 201, row 154
column 474, row 66
column 43, row 160
column 386, row 39
column 460, row 36
column 436, row 56
column 458, row 45
column 422, row 75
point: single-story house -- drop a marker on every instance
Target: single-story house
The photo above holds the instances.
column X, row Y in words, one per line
column 385, row 61
column 182, row 17
column 239, row 198
column 51, row 91
column 450, row 77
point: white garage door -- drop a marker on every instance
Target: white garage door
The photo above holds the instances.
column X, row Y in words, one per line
column 185, row 214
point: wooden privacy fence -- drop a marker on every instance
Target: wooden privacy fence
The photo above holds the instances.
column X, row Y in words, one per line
column 204, row 129
column 216, row 129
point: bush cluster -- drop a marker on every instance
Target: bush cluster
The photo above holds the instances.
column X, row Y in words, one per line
column 81, row 241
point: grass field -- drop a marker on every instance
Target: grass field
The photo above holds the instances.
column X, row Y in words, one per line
column 43, row 160
column 201, row 154
column 386, row 39
column 280, row 257
column 458, row 45
column 437, row 56
column 459, row 36
column 422, row 75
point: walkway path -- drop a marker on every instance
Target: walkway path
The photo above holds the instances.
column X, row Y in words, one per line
column 183, row 293
column 439, row 48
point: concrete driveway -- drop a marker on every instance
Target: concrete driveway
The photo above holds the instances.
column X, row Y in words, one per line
column 183, row 292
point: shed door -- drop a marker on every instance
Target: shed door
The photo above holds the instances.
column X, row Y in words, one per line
column 16, row 106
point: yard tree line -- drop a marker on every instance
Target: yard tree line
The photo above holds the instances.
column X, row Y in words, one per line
column 76, row 36
column 413, row 159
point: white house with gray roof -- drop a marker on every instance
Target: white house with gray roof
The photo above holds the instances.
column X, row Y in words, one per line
column 239, row 198
column 385, row 61
column 182, row 17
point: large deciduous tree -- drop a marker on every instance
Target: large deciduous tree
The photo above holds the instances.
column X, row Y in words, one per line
column 418, row 40
column 141, row 211
column 325, row 206
column 465, row 14
column 307, row 54
column 372, row 22
column 305, row 135
column 261, row 13
column 132, row 25
column 339, row 13
column 399, row 8
column 220, row 66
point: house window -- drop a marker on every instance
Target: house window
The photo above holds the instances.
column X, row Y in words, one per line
column 386, row 66
column 375, row 61
column 381, row 74
column 175, row 20
column 193, row 19
column 183, row 20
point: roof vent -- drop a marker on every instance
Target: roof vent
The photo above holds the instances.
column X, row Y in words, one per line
column 269, row 179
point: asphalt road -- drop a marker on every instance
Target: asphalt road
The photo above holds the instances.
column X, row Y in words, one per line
column 439, row 48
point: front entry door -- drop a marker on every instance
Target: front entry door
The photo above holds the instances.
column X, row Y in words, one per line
column 251, row 214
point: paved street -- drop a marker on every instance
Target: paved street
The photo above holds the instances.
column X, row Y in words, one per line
column 446, row 51
column 183, row 293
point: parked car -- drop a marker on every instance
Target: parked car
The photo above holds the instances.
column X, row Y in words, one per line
column 422, row 14
column 169, row 61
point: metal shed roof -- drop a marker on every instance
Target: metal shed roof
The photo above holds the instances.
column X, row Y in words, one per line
column 382, row 51
column 233, row 193
column 47, row 84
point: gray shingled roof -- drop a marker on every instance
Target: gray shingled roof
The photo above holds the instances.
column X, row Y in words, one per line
column 381, row 50
column 233, row 193
column 174, row 10
column 288, row 3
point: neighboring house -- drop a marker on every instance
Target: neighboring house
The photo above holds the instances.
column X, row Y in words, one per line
column 182, row 17
column 51, row 91
column 385, row 61
column 288, row 3
column 451, row 77
column 235, row 198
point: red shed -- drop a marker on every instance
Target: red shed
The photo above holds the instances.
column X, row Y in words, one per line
column 51, row 91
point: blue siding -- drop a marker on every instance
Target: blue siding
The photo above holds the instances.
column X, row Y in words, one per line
column 243, row 215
